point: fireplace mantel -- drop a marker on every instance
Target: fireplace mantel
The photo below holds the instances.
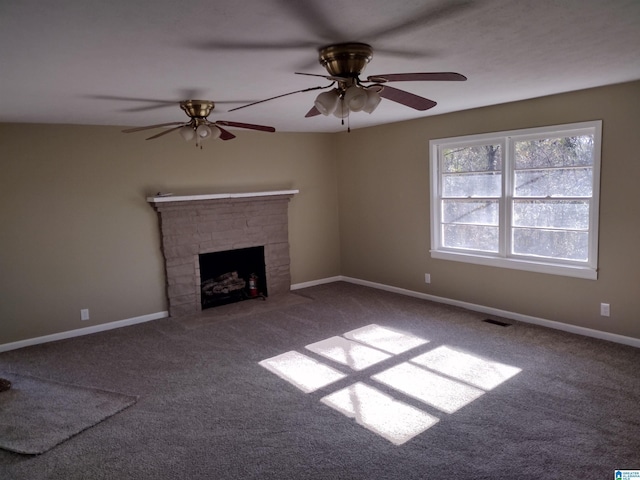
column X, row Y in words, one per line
column 192, row 225
column 216, row 196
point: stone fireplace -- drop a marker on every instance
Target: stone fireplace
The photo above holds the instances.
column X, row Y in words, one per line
column 193, row 225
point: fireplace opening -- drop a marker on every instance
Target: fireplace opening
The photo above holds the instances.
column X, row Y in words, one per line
column 232, row 276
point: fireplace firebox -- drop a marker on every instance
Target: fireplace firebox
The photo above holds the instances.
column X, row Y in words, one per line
column 232, row 276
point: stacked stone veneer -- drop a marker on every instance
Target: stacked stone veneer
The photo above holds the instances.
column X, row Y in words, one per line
column 192, row 227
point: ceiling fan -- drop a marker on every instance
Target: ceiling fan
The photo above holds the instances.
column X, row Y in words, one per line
column 347, row 92
column 199, row 127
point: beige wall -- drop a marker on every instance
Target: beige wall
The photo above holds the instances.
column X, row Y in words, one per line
column 384, row 212
column 77, row 232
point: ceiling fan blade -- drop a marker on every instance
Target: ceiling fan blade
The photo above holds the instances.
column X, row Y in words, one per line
column 328, row 77
column 424, row 18
column 420, row 53
column 133, row 99
column 278, row 96
column 406, row 98
column 226, row 45
column 320, row 22
column 148, row 127
column 251, row 126
column 165, row 132
column 152, row 103
column 313, row 112
column 418, row 77
column 149, row 107
column 225, row 134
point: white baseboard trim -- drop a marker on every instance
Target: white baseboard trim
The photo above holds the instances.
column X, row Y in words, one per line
column 565, row 327
column 313, row 283
column 588, row 332
column 82, row 331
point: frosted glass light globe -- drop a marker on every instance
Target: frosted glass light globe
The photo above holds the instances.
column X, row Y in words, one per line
column 373, row 100
column 355, row 98
column 203, row 131
column 187, row 132
column 327, row 102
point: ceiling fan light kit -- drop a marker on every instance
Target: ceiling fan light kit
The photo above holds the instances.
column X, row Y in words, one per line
column 356, row 98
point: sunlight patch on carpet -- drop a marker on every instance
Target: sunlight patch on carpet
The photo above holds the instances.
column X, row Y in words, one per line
column 443, row 378
column 348, row 352
column 301, row 371
column 385, row 338
column 382, row 414
column 480, row 372
column 442, row 393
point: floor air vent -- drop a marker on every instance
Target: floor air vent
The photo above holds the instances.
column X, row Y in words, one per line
column 496, row 322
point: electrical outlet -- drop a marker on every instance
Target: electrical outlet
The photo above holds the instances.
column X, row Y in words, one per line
column 84, row 314
column 605, row 309
column 427, row 278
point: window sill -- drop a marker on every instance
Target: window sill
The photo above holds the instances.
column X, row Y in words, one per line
column 518, row 264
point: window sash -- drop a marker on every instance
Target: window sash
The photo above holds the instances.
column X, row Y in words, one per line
column 506, row 255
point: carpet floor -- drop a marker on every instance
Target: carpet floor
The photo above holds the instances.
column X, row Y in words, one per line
column 341, row 381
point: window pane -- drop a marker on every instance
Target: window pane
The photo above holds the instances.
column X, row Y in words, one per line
column 472, row 185
column 472, row 237
column 559, row 182
column 551, row 213
column 554, row 152
column 483, row 212
column 557, row 244
column 480, row 158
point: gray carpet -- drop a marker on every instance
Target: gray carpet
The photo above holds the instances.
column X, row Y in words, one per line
column 483, row 401
column 38, row 414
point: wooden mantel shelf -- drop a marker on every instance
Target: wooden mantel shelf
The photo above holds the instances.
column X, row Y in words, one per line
column 216, row 196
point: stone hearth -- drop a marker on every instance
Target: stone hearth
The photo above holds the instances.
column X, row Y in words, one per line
column 196, row 224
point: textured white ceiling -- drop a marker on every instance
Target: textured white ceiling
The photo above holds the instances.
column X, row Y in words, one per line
column 121, row 62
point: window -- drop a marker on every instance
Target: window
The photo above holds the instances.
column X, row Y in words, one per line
column 524, row 199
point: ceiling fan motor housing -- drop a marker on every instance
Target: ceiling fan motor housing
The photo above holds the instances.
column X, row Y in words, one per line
column 345, row 59
column 197, row 108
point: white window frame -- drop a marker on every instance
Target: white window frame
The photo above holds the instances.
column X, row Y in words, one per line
column 502, row 258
